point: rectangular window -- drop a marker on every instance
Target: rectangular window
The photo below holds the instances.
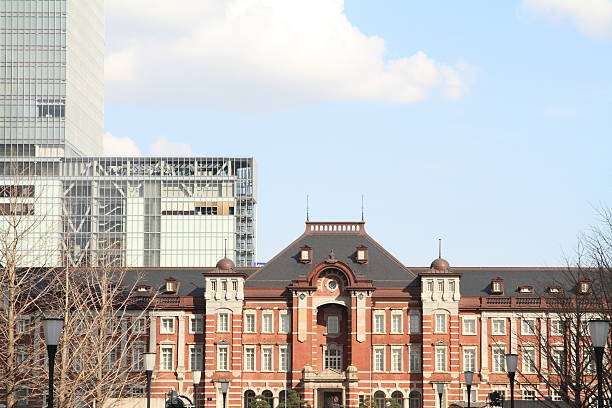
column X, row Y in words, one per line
column 167, row 325
column 266, row 359
column 249, row 323
column 528, row 327
column 451, row 286
column 473, row 396
column 529, row 395
column 332, row 325
column 137, row 391
column 469, row 326
column 440, row 323
column 22, row 325
column 396, row 323
column 529, row 361
column 222, row 358
column 196, row 358
column 415, row 323
column 283, row 358
column 498, row 326
column 498, row 358
column 379, row 323
column 213, row 285
column 558, row 360
column 440, row 359
column 333, row 358
column 223, row 322
column 379, row 359
column 166, row 362
column 21, row 354
column 469, row 359
column 235, row 285
column 138, row 351
column 196, row 324
column 285, row 323
column 396, row 359
column 415, row 358
column 440, row 286
column 556, row 396
column 267, row 323
column 556, row 327
column 140, row 325
column 249, row 358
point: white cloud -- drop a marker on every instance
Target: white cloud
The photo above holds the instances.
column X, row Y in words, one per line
column 259, row 52
column 164, row 147
column 119, row 146
column 592, row 17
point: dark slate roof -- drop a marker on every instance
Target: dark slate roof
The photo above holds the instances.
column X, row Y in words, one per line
column 382, row 267
column 476, row 281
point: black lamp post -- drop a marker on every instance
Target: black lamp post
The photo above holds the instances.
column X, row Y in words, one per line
column 52, row 328
column 598, row 330
column 224, row 386
column 511, row 362
column 469, row 376
column 149, row 363
column 197, row 377
column 440, row 389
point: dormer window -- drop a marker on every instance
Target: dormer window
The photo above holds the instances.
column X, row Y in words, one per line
column 171, row 285
column 305, row 254
column 143, row 289
column 497, row 286
column 361, row 254
column 584, row 286
column 555, row 289
column 525, row 289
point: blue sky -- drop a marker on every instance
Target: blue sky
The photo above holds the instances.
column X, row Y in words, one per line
column 503, row 150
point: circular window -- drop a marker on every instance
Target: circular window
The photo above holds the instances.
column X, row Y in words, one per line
column 332, row 284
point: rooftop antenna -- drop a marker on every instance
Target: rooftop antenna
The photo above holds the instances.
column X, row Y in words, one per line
column 362, row 218
column 439, row 247
column 307, row 209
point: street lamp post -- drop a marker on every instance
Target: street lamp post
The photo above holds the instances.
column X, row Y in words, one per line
column 599, row 337
column 469, row 376
column 224, row 386
column 440, row 389
column 197, row 376
column 511, row 362
column 149, row 363
column 52, row 327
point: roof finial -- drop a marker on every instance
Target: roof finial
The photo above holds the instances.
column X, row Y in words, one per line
column 439, row 247
column 225, row 248
column 307, row 210
column 362, row 208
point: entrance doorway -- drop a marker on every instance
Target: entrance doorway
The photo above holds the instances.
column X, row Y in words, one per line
column 332, row 399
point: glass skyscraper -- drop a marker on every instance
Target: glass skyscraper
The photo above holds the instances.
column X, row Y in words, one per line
column 83, row 208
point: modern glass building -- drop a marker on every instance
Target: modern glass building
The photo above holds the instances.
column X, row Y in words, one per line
column 78, row 207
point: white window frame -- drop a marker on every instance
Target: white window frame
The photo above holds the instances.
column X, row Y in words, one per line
column 395, row 329
column 264, row 320
column 284, row 322
column 224, row 327
column 138, row 358
column 415, row 358
column 494, row 368
column 22, row 325
column 438, row 317
column 415, row 323
column 247, row 316
column 529, row 394
column 528, row 364
column 394, row 363
column 166, row 328
column 162, row 362
column 333, row 323
column 336, row 358
column 463, row 326
column 440, row 351
column 556, row 327
column 196, row 324
column 493, row 326
column 379, row 351
column 250, row 351
column 139, row 325
column 474, row 366
column 474, row 394
column 379, row 317
column 196, row 348
column 265, row 360
column 220, row 361
column 526, row 328
column 284, row 350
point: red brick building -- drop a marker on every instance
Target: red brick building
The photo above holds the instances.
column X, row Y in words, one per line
column 338, row 318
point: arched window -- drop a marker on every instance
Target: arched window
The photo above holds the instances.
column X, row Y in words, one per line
column 398, row 397
column 414, row 399
column 267, row 394
column 249, row 396
column 281, row 398
column 379, row 399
